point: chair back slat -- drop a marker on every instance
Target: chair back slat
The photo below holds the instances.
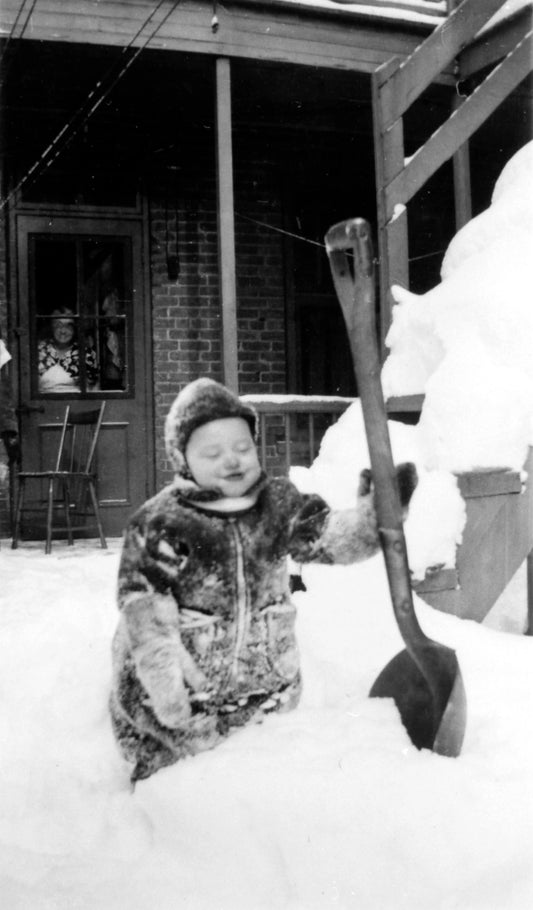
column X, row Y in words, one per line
column 83, row 430
column 94, row 442
column 62, row 440
column 79, row 450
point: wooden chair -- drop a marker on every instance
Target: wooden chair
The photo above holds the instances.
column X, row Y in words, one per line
column 71, row 485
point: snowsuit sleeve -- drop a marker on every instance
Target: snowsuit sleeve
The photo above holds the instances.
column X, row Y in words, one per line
column 151, row 623
column 321, row 534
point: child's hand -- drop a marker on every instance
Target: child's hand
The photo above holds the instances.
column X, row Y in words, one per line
column 309, row 521
column 407, row 480
column 171, row 706
column 406, row 476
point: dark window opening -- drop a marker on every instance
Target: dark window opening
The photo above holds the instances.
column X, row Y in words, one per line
column 81, row 306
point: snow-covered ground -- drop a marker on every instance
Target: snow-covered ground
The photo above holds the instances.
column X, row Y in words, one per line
column 330, row 806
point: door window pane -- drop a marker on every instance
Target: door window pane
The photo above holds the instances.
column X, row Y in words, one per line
column 80, row 295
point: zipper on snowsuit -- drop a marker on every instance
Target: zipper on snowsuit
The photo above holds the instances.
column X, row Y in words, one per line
column 243, row 610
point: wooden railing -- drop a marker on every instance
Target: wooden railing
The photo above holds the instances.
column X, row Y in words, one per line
column 291, row 427
column 497, row 538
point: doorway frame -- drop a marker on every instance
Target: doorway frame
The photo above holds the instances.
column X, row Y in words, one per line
column 137, row 215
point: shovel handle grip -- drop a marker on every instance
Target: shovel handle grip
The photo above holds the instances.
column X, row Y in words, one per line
column 347, row 234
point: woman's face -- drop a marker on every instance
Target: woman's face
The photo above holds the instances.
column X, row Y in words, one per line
column 222, row 454
column 63, row 332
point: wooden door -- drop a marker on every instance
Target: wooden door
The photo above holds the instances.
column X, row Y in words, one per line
column 85, row 337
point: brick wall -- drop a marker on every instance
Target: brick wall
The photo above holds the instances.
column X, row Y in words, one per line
column 187, row 326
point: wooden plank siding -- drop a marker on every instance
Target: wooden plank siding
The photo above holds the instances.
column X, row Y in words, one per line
column 341, row 42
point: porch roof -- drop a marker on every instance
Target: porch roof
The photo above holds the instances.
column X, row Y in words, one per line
column 354, row 35
column 321, row 33
column 394, row 13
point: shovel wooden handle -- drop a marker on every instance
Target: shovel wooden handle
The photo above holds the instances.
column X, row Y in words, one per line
column 355, row 287
column 425, row 679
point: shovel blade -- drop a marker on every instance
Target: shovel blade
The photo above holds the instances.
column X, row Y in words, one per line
column 433, row 715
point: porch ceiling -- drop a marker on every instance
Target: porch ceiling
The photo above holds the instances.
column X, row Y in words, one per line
column 56, row 78
column 165, row 92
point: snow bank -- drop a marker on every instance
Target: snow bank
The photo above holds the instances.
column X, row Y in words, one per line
column 466, row 344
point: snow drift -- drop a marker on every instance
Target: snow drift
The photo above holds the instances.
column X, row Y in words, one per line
column 466, row 344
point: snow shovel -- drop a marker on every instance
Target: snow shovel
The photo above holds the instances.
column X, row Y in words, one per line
column 425, row 679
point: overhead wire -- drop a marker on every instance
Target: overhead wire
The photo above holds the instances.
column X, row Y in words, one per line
column 278, row 230
column 46, row 158
column 95, row 98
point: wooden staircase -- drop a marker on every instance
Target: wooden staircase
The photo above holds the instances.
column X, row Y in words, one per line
column 497, row 538
column 499, row 61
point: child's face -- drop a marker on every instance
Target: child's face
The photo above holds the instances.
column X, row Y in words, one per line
column 222, row 454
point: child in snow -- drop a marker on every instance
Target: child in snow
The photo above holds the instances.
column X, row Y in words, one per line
column 205, row 641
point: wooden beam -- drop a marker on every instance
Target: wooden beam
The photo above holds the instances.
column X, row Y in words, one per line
column 404, row 403
column 394, row 257
column 491, row 482
column 492, row 45
column 226, row 223
column 529, row 627
column 392, row 231
column 461, row 179
column 401, row 88
column 460, row 126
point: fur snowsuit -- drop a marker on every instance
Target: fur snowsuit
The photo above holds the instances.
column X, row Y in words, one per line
column 205, row 641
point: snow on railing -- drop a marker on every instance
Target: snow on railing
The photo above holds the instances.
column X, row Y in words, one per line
column 291, row 427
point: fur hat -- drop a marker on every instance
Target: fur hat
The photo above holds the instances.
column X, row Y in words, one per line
column 198, row 403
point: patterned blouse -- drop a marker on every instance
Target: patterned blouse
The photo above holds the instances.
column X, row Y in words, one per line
column 49, row 356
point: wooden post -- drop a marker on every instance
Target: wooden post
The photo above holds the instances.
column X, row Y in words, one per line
column 226, row 223
column 395, row 86
column 529, row 629
column 392, row 220
column 461, row 179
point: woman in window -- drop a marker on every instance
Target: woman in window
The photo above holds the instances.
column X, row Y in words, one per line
column 59, row 357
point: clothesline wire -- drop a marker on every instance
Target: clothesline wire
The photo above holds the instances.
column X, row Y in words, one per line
column 71, row 128
column 317, row 243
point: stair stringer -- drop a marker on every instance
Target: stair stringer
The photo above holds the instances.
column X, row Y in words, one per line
column 497, row 538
